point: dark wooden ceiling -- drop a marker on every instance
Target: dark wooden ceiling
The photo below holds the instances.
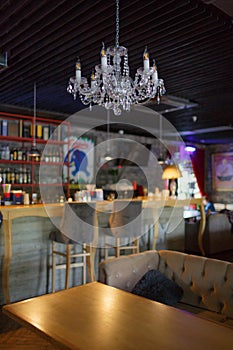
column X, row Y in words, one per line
column 191, row 40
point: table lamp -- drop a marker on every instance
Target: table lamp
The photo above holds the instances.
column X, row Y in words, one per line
column 172, row 173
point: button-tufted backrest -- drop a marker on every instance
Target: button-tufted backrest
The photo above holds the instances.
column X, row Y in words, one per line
column 207, row 283
column 124, row 272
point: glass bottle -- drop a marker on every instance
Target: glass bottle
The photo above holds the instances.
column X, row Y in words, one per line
column 20, row 154
column 7, row 153
column 20, row 176
column 24, row 154
column 12, row 154
column 25, row 179
column 4, row 176
column 12, row 174
column 15, row 154
column 8, row 176
column 28, row 176
column 16, row 176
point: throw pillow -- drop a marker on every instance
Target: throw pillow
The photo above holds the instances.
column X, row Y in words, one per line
column 156, row 286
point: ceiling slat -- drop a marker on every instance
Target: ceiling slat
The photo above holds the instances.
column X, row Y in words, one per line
column 191, row 41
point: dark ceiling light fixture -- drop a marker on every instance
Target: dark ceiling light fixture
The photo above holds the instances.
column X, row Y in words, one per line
column 111, row 85
column 34, row 152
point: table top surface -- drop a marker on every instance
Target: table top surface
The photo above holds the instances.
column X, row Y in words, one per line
column 96, row 316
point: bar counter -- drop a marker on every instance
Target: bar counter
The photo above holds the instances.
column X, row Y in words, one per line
column 14, row 212
column 28, row 222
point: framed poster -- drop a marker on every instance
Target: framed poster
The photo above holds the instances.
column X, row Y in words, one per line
column 81, row 160
column 222, row 170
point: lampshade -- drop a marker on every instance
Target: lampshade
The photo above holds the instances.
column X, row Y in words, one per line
column 171, row 172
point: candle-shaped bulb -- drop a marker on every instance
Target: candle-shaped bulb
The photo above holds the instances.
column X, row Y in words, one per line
column 103, row 58
column 154, row 66
column 103, row 51
column 92, row 79
column 78, row 70
column 155, row 72
column 146, row 61
column 78, row 64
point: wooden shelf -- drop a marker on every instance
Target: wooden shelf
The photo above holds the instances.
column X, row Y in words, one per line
column 19, row 124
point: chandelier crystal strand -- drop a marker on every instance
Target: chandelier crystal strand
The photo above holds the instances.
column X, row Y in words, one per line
column 111, row 85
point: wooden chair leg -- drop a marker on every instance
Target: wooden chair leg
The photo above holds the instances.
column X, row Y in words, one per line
column 67, row 266
column 86, row 260
column 136, row 243
column 90, row 260
column 117, row 249
column 53, row 267
column 106, row 255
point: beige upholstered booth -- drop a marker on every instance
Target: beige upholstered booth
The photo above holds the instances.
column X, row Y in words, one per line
column 207, row 283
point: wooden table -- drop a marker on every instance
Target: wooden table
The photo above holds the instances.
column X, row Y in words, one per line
column 56, row 210
column 96, row 316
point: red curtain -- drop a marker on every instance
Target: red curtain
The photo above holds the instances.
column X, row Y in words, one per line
column 198, row 163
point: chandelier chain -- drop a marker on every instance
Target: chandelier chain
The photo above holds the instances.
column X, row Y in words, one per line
column 117, row 23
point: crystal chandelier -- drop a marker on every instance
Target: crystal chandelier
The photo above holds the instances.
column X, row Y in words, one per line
column 111, row 85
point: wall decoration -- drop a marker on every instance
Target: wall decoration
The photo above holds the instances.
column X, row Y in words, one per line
column 222, row 170
column 81, row 156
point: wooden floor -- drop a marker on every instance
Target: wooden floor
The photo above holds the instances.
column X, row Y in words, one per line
column 15, row 337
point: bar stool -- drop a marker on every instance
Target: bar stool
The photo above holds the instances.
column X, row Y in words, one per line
column 76, row 238
column 124, row 227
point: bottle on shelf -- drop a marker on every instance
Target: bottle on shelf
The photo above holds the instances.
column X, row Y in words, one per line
column 28, row 172
column 7, row 153
column 20, row 176
column 15, row 154
column 25, row 179
column 39, row 131
column 4, row 176
column 20, row 154
column 24, row 154
column 12, row 178
column 8, row 176
column 12, row 154
column 16, row 176
column 45, row 132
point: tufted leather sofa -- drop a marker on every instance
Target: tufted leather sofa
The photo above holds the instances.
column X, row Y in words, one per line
column 207, row 283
